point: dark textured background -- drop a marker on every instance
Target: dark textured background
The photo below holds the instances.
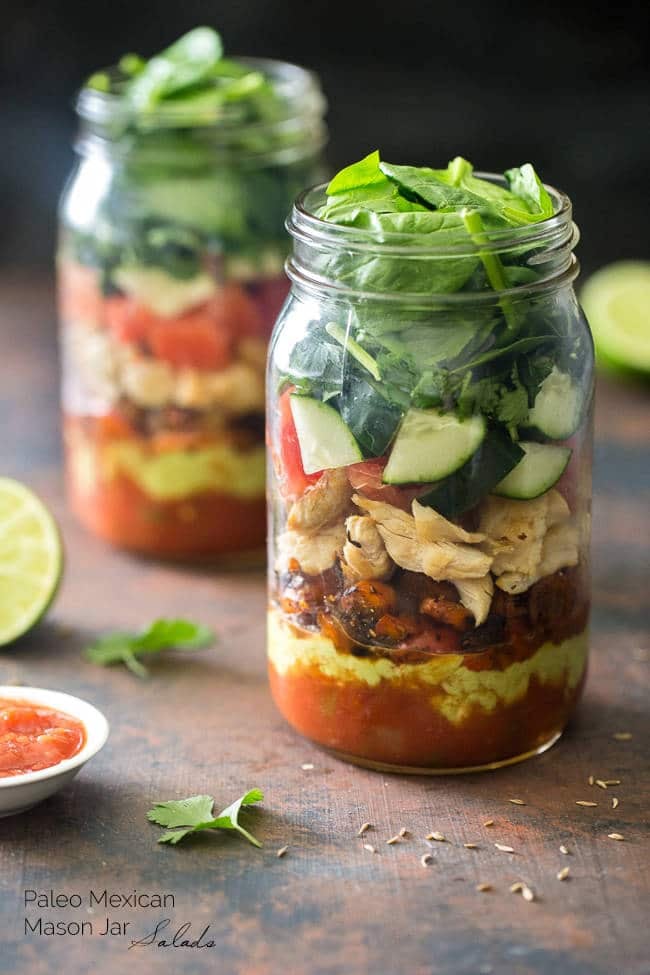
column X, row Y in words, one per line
column 563, row 85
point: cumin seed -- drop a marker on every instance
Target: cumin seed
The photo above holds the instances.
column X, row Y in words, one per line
column 369, row 847
column 564, row 850
column 436, row 836
column 489, row 822
column 583, row 802
column 622, row 736
column 614, row 802
column 590, row 780
column 363, row 828
column 563, row 873
column 612, row 781
column 603, row 785
column 393, row 839
column 404, row 832
column 527, row 894
column 426, row 859
column 504, row 849
column 306, row 766
column 516, row 887
column 282, row 851
column 483, row 888
column 470, row 846
column 517, row 802
column 615, row 836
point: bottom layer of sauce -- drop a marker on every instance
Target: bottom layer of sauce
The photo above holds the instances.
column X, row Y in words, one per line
column 445, row 713
column 33, row 737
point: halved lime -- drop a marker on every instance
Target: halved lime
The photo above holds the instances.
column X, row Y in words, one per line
column 31, row 559
column 616, row 301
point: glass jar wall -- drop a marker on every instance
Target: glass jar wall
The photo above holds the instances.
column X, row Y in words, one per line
column 171, row 275
column 429, row 492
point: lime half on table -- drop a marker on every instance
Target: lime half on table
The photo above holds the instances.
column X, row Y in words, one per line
column 616, row 301
column 31, row 559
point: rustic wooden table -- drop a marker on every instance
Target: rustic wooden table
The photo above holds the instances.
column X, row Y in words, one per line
column 206, row 723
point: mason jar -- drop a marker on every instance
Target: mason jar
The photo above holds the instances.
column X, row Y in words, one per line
column 429, row 492
column 170, row 271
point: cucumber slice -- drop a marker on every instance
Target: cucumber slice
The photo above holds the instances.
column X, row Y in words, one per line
column 431, row 445
column 495, row 457
column 325, row 439
column 557, row 409
column 540, row 468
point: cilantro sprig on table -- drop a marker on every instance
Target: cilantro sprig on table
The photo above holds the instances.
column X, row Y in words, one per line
column 162, row 634
column 184, row 817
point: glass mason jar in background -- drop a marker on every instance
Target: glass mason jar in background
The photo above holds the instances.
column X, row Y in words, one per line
column 170, row 270
column 429, row 493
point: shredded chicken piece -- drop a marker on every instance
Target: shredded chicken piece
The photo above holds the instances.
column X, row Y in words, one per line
column 364, row 552
column 476, row 595
column 315, row 552
column 430, row 526
column 529, row 539
column 436, row 554
column 324, row 502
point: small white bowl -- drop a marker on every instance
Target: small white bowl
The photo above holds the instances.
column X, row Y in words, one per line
column 21, row 792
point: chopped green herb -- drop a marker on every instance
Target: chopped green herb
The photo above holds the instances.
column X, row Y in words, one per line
column 182, row 817
column 163, row 634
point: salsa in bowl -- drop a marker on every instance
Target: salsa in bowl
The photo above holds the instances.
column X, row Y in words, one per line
column 46, row 737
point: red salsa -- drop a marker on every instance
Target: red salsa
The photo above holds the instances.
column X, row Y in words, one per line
column 34, row 737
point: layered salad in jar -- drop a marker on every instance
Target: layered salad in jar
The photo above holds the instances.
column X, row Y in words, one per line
column 429, row 424
column 171, row 275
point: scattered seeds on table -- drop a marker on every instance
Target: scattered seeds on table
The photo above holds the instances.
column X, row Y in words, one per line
column 563, row 873
column 504, row 849
column 615, row 836
column 282, row 851
column 426, row 859
column 517, row 802
column 622, row 736
column 436, row 836
column 393, row 839
column 470, row 846
column 583, row 802
column 564, row 850
column 369, row 847
column 363, row 828
column 483, row 888
column 306, row 766
column 614, row 802
column 489, row 822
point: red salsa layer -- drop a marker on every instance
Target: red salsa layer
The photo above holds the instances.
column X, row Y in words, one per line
column 34, row 737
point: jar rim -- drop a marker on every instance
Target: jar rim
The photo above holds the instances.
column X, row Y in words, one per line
column 299, row 90
column 303, row 224
column 548, row 245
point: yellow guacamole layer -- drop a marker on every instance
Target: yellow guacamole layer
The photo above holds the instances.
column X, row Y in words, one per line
column 171, row 474
column 455, row 690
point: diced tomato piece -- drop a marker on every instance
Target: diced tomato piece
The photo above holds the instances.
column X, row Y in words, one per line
column 234, row 313
column 270, row 295
column 128, row 320
column 288, row 463
column 366, row 478
column 80, row 296
column 193, row 340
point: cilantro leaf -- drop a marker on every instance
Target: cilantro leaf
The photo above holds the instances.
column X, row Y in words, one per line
column 192, row 815
column 182, row 812
column 162, row 634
